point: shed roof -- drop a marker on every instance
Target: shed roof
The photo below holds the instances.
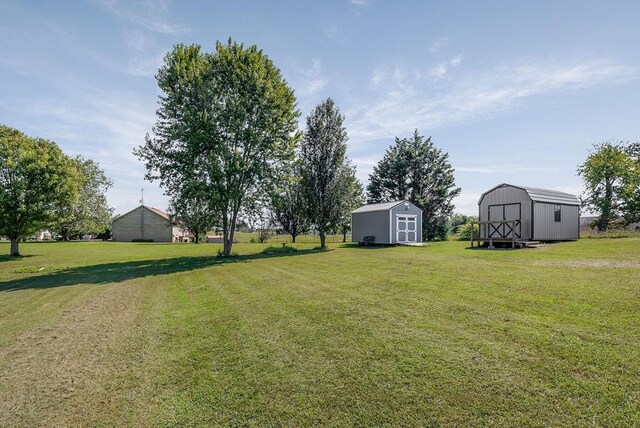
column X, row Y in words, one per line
column 541, row 195
column 384, row 206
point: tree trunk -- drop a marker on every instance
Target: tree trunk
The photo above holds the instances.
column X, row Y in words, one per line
column 293, row 238
column 14, row 248
column 196, row 237
column 228, row 232
column 323, row 240
column 344, row 235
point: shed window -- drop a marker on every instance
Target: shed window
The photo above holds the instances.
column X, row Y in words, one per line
column 557, row 213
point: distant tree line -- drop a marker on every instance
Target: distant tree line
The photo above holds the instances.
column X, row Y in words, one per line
column 43, row 188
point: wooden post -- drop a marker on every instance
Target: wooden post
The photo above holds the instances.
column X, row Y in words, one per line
column 471, row 235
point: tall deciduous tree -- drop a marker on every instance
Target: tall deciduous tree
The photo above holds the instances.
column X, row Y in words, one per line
column 36, row 179
column 288, row 205
column 89, row 212
column 227, row 122
column 416, row 170
column 611, row 179
column 324, row 167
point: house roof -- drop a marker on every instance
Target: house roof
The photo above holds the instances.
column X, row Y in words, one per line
column 159, row 212
column 541, row 195
column 385, row 206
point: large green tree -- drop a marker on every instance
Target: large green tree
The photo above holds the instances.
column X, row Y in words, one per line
column 226, row 122
column 324, row 167
column 36, row 181
column 611, row 178
column 416, row 170
column 89, row 211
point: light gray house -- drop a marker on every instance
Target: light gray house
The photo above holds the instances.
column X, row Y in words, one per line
column 146, row 223
column 531, row 214
column 389, row 223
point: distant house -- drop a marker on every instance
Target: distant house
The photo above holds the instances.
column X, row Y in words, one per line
column 634, row 226
column 397, row 222
column 146, row 224
column 529, row 213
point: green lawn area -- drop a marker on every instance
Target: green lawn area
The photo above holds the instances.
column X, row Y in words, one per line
column 144, row 334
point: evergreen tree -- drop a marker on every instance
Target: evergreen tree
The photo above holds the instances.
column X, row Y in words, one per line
column 415, row 170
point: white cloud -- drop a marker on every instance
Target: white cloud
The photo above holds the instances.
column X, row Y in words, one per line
column 151, row 17
column 403, row 99
column 438, row 44
column 310, row 80
column 440, row 71
column 144, row 65
column 137, row 41
column 334, row 33
column 361, row 2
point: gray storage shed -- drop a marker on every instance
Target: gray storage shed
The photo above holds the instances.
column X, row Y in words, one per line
column 397, row 222
column 537, row 214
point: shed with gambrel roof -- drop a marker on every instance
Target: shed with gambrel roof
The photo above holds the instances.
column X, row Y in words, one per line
column 536, row 214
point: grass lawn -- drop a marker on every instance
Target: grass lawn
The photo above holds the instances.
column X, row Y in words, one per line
column 113, row 334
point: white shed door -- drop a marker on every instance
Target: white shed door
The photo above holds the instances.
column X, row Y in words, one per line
column 406, row 229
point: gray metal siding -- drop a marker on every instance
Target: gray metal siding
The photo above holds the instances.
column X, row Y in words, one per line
column 374, row 223
column 503, row 196
column 545, row 228
column 129, row 227
column 410, row 210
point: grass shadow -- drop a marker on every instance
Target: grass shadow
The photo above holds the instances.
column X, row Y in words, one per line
column 364, row 247
column 8, row 258
column 123, row 271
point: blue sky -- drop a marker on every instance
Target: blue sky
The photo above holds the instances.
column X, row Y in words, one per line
column 516, row 92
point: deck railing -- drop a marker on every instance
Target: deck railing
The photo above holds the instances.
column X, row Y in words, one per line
column 496, row 230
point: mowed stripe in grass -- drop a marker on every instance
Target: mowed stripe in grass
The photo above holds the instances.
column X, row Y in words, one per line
column 411, row 336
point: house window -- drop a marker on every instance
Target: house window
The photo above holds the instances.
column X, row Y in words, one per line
column 557, row 213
